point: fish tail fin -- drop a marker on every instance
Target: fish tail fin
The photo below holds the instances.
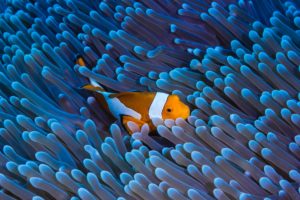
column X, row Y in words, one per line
column 93, row 86
column 79, row 60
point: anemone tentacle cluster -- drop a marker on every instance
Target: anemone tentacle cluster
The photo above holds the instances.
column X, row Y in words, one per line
column 235, row 62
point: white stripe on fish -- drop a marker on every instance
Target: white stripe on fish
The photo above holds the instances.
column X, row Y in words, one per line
column 157, row 106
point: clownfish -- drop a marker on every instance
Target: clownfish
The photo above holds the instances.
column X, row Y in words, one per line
column 138, row 107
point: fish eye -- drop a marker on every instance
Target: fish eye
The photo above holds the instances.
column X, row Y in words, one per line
column 169, row 110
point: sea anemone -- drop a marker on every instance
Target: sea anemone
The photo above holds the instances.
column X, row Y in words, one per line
column 235, row 63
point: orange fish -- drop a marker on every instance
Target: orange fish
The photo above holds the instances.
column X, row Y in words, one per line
column 139, row 107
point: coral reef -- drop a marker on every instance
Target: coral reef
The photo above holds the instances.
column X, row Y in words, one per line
column 236, row 63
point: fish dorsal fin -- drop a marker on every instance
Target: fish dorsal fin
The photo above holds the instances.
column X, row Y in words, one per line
column 92, row 88
column 121, row 94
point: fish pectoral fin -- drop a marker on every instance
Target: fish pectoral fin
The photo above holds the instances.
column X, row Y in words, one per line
column 125, row 119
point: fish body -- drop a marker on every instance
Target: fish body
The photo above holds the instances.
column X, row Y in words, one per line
column 139, row 107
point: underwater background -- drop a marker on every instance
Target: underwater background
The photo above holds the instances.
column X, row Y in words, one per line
column 235, row 63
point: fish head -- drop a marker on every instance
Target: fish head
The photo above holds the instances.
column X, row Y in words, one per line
column 175, row 108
